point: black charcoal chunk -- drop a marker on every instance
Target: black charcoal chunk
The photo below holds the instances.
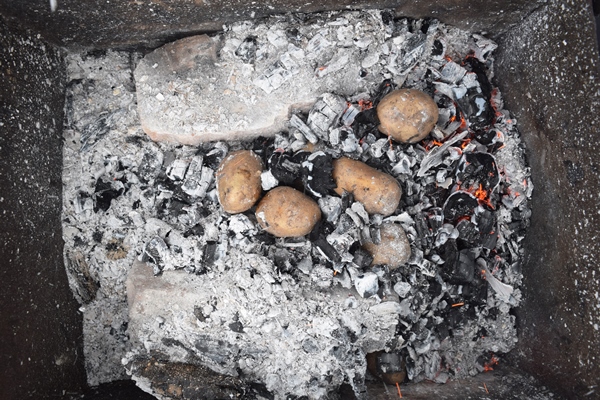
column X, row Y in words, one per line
column 209, row 255
column 156, row 251
column 462, row 269
column 486, row 221
column 196, row 230
column 468, row 233
column 104, row 194
column 362, row 258
column 317, row 174
column 246, row 51
column 286, row 167
column 459, row 204
column 475, row 169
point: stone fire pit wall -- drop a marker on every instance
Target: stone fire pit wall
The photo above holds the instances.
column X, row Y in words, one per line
column 547, row 70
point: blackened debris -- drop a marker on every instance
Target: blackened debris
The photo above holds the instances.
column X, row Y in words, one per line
column 459, row 266
column 236, row 325
column 317, row 174
column 318, row 236
column 286, row 167
column 459, row 204
column 209, row 255
column 487, row 228
column 362, row 258
column 246, row 51
column 104, row 194
column 196, row 230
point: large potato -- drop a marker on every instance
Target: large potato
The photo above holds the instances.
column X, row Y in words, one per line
column 394, row 249
column 376, row 190
column 286, row 212
column 238, row 181
column 407, row 115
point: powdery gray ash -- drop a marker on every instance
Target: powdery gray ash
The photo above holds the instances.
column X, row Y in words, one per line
column 160, row 270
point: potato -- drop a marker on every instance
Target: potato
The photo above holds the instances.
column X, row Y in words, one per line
column 286, row 212
column 238, row 181
column 379, row 192
column 407, row 115
column 394, row 249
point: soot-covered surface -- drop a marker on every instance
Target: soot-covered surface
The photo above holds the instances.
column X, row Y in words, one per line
column 552, row 62
column 40, row 329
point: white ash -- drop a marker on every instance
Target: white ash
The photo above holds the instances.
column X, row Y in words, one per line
column 128, row 198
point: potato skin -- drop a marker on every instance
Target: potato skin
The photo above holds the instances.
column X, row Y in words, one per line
column 394, row 249
column 407, row 115
column 286, row 212
column 238, row 181
column 379, row 192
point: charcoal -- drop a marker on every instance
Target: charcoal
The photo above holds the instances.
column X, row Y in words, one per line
column 286, row 167
column 458, row 205
column 362, row 258
column 157, row 252
column 176, row 171
column 214, row 157
column 197, row 178
column 468, row 233
column 331, row 207
column 104, row 194
column 246, row 51
column 268, row 181
column 297, row 123
column 324, row 113
column 209, row 254
column 486, row 221
column 317, row 174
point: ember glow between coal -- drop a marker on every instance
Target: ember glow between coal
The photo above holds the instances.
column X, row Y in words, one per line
column 299, row 315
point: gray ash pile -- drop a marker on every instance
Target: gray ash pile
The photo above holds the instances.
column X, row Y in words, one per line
column 326, row 254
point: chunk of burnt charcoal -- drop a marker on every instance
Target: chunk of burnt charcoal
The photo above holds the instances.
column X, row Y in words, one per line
column 478, row 169
column 318, row 238
column 317, row 173
column 236, row 325
column 196, row 230
column 468, row 233
column 285, row 167
column 209, row 256
column 459, row 204
column 104, row 194
column 463, row 269
column 476, row 292
column 487, row 227
column 246, row 51
column 438, row 48
column 361, row 257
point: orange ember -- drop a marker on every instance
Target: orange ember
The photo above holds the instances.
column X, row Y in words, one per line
column 488, row 366
column 365, row 104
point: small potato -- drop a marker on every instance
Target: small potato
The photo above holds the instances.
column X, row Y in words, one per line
column 394, row 249
column 286, row 212
column 407, row 115
column 379, row 192
column 238, row 181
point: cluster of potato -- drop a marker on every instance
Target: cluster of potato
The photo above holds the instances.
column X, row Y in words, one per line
column 287, row 212
column 283, row 211
column 405, row 115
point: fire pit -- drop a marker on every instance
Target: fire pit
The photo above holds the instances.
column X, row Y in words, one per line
column 479, row 177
